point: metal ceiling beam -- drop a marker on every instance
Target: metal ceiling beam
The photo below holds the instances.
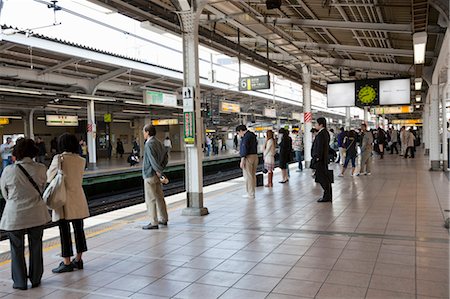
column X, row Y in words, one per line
column 368, row 65
column 394, row 28
column 6, row 46
column 59, row 66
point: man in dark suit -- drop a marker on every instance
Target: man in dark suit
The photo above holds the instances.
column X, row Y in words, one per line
column 320, row 159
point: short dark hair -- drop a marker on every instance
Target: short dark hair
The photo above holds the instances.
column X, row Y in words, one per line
column 342, row 129
column 25, row 148
column 241, row 128
column 68, row 143
column 150, row 129
column 322, row 121
column 363, row 124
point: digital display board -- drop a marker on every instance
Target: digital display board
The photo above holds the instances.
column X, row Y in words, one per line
column 341, row 94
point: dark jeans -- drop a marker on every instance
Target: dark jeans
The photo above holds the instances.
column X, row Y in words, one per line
column 298, row 157
column 394, row 146
column 18, row 265
column 323, row 178
column 348, row 159
column 409, row 149
column 66, row 238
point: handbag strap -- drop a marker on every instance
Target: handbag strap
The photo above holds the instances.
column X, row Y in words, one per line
column 30, row 179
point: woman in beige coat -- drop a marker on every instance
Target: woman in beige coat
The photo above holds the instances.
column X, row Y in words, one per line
column 25, row 213
column 76, row 208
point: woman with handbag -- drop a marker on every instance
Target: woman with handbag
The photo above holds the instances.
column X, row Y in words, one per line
column 351, row 152
column 285, row 154
column 25, row 212
column 269, row 157
column 75, row 207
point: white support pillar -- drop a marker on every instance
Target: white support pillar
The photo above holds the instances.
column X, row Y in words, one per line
column 91, row 134
column 426, row 124
column 26, row 127
column 445, row 96
column 434, row 128
column 194, row 155
column 348, row 119
column 31, row 124
column 307, row 114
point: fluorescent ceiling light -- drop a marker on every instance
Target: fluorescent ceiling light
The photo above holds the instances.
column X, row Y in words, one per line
column 136, row 103
column 120, row 121
column 420, row 43
column 418, row 83
column 136, row 111
column 41, row 118
column 418, row 98
column 63, row 106
column 11, row 116
column 97, row 6
column 17, row 90
column 86, row 97
column 417, row 106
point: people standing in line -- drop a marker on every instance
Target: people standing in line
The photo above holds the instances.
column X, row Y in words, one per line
column 332, row 138
column 235, row 141
column 83, row 151
column 208, row 142
column 6, row 150
column 285, row 154
column 249, row 159
column 155, row 159
column 350, row 144
column 75, row 208
column 42, row 150
column 403, row 143
column 119, row 148
column 410, row 143
column 381, row 140
column 320, row 159
column 297, row 146
column 394, row 141
column 269, row 157
column 340, row 143
column 25, row 213
column 366, row 150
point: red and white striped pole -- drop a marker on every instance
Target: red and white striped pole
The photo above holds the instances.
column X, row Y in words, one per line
column 307, row 115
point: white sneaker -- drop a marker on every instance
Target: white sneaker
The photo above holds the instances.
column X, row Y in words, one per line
column 368, row 173
column 340, row 175
column 355, row 174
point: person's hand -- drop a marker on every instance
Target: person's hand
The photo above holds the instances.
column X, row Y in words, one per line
column 242, row 165
column 158, row 174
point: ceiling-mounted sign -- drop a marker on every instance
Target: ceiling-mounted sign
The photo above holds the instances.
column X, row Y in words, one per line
column 270, row 112
column 254, row 83
column 407, row 122
column 297, row 116
column 230, row 107
column 159, row 98
column 62, row 120
column 164, row 122
column 107, row 117
column 4, row 121
column 392, row 110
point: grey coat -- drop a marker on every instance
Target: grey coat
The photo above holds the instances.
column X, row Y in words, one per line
column 153, row 155
column 24, row 205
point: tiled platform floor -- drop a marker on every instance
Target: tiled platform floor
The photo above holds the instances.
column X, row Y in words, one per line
column 382, row 237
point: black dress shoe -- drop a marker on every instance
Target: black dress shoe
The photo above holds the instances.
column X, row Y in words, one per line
column 77, row 264
column 20, row 288
column 150, row 226
column 35, row 285
column 62, row 268
column 324, row 200
column 162, row 223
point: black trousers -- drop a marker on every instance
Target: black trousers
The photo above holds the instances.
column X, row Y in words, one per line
column 18, row 265
column 411, row 150
column 394, row 146
column 323, row 178
column 66, row 238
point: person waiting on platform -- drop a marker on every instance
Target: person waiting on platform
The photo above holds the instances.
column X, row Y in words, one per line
column 75, row 208
column 320, row 160
column 6, row 153
column 25, row 213
column 285, row 154
column 42, row 150
column 410, row 144
column 297, row 146
column 249, row 159
column 236, row 141
column 351, row 151
column 366, row 150
column 119, row 148
column 168, row 144
column 155, row 159
column 269, row 157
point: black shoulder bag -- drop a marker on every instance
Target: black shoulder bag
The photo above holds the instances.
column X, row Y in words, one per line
column 30, row 179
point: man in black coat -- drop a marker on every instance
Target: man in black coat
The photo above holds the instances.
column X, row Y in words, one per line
column 320, row 159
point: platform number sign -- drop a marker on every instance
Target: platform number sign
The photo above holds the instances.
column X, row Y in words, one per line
column 188, row 99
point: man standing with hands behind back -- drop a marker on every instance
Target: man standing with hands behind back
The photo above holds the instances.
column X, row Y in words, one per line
column 320, row 159
column 152, row 168
column 249, row 159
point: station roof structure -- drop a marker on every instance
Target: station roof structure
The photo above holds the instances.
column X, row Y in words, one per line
column 336, row 39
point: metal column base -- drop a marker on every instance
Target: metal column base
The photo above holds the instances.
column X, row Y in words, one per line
column 427, row 152
column 445, row 164
column 195, row 205
column 92, row 166
column 194, row 212
column 307, row 164
column 435, row 166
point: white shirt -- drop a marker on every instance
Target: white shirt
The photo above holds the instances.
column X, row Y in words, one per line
column 167, row 143
column 6, row 150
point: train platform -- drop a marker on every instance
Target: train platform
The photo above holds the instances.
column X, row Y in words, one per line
column 382, row 237
column 120, row 165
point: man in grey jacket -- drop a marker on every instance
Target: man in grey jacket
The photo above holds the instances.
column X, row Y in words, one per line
column 366, row 150
column 152, row 168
